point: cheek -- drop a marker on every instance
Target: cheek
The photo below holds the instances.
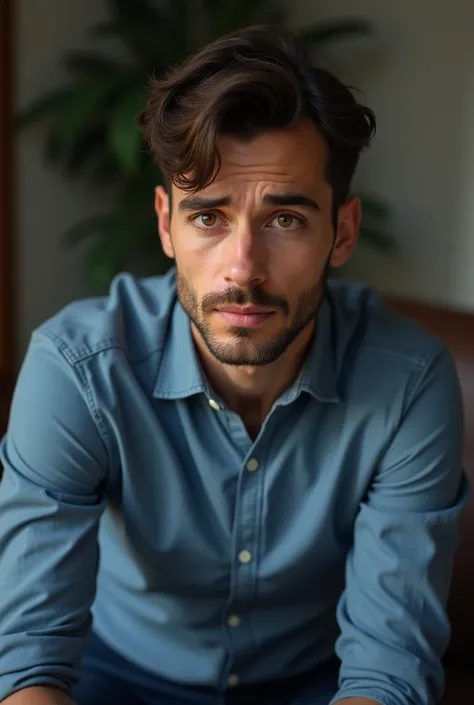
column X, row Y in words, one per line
column 191, row 248
column 196, row 264
column 187, row 254
column 300, row 263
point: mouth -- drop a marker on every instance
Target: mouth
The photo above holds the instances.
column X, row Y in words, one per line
column 245, row 316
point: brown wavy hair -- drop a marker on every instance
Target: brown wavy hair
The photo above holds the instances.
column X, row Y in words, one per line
column 244, row 83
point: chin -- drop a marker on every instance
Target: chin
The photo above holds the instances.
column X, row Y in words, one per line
column 244, row 352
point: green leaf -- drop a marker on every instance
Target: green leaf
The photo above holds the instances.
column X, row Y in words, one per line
column 234, row 14
column 125, row 138
column 377, row 239
column 95, row 64
column 121, row 234
column 88, row 148
column 154, row 32
column 82, row 109
column 108, row 28
column 44, row 107
column 150, row 44
column 265, row 12
column 138, row 197
column 374, row 207
column 105, row 173
column 119, row 226
column 146, row 41
column 131, row 34
column 77, row 110
column 327, row 32
column 274, row 16
column 137, row 11
column 101, row 263
column 104, row 224
column 52, row 149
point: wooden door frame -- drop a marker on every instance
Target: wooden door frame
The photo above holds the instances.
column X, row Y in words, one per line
column 7, row 352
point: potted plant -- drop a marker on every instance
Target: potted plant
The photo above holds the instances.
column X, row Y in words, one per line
column 91, row 120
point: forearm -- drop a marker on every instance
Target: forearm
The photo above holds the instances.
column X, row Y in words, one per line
column 354, row 701
column 41, row 695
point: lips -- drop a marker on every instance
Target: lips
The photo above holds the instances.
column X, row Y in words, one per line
column 244, row 310
column 245, row 317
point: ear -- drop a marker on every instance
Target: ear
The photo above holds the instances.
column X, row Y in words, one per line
column 162, row 209
column 348, row 224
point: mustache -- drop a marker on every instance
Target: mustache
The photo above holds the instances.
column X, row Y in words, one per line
column 238, row 297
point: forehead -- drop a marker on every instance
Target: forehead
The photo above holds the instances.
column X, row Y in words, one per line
column 294, row 152
column 294, row 157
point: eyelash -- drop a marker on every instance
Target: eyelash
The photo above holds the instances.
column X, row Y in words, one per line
column 210, row 227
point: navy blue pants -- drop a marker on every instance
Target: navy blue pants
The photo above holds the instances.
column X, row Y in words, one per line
column 109, row 679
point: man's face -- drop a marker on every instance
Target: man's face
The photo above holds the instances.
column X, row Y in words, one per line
column 252, row 249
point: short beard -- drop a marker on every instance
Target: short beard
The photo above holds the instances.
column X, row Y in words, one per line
column 247, row 352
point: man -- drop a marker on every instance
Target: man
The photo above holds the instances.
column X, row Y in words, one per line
column 270, row 463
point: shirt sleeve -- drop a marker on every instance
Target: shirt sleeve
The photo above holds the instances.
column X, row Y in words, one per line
column 392, row 614
column 51, row 499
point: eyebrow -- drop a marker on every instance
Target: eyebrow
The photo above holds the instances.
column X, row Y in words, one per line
column 200, row 203
column 291, row 199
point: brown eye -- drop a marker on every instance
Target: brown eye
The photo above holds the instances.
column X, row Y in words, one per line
column 208, row 219
column 285, row 220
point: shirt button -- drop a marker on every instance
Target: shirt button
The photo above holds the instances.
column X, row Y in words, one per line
column 245, row 557
column 233, row 680
column 234, row 620
column 252, row 465
column 214, row 405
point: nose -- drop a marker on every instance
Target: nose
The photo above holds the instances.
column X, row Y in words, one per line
column 246, row 259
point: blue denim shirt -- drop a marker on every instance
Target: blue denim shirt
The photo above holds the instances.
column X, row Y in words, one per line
column 222, row 557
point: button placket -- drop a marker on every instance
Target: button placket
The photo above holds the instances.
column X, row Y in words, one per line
column 252, row 465
column 244, row 565
column 234, row 620
column 232, row 680
column 214, row 404
column 245, row 557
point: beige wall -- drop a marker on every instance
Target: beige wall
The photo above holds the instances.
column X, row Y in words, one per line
column 48, row 275
column 418, row 75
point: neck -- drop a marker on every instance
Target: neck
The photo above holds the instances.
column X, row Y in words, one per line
column 252, row 391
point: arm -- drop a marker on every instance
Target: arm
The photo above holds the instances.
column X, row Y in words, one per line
column 50, row 503
column 348, row 701
column 394, row 627
column 38, row 696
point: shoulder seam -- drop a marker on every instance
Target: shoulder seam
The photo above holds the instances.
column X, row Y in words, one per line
column 75, row 357
column 418, row 360
column 442, row 352
column 64, row 350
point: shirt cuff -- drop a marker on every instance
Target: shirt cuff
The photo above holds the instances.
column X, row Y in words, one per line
column 374, row 694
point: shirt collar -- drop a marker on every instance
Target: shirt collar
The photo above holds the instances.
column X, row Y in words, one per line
column 180, row 374
column 318, row 375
